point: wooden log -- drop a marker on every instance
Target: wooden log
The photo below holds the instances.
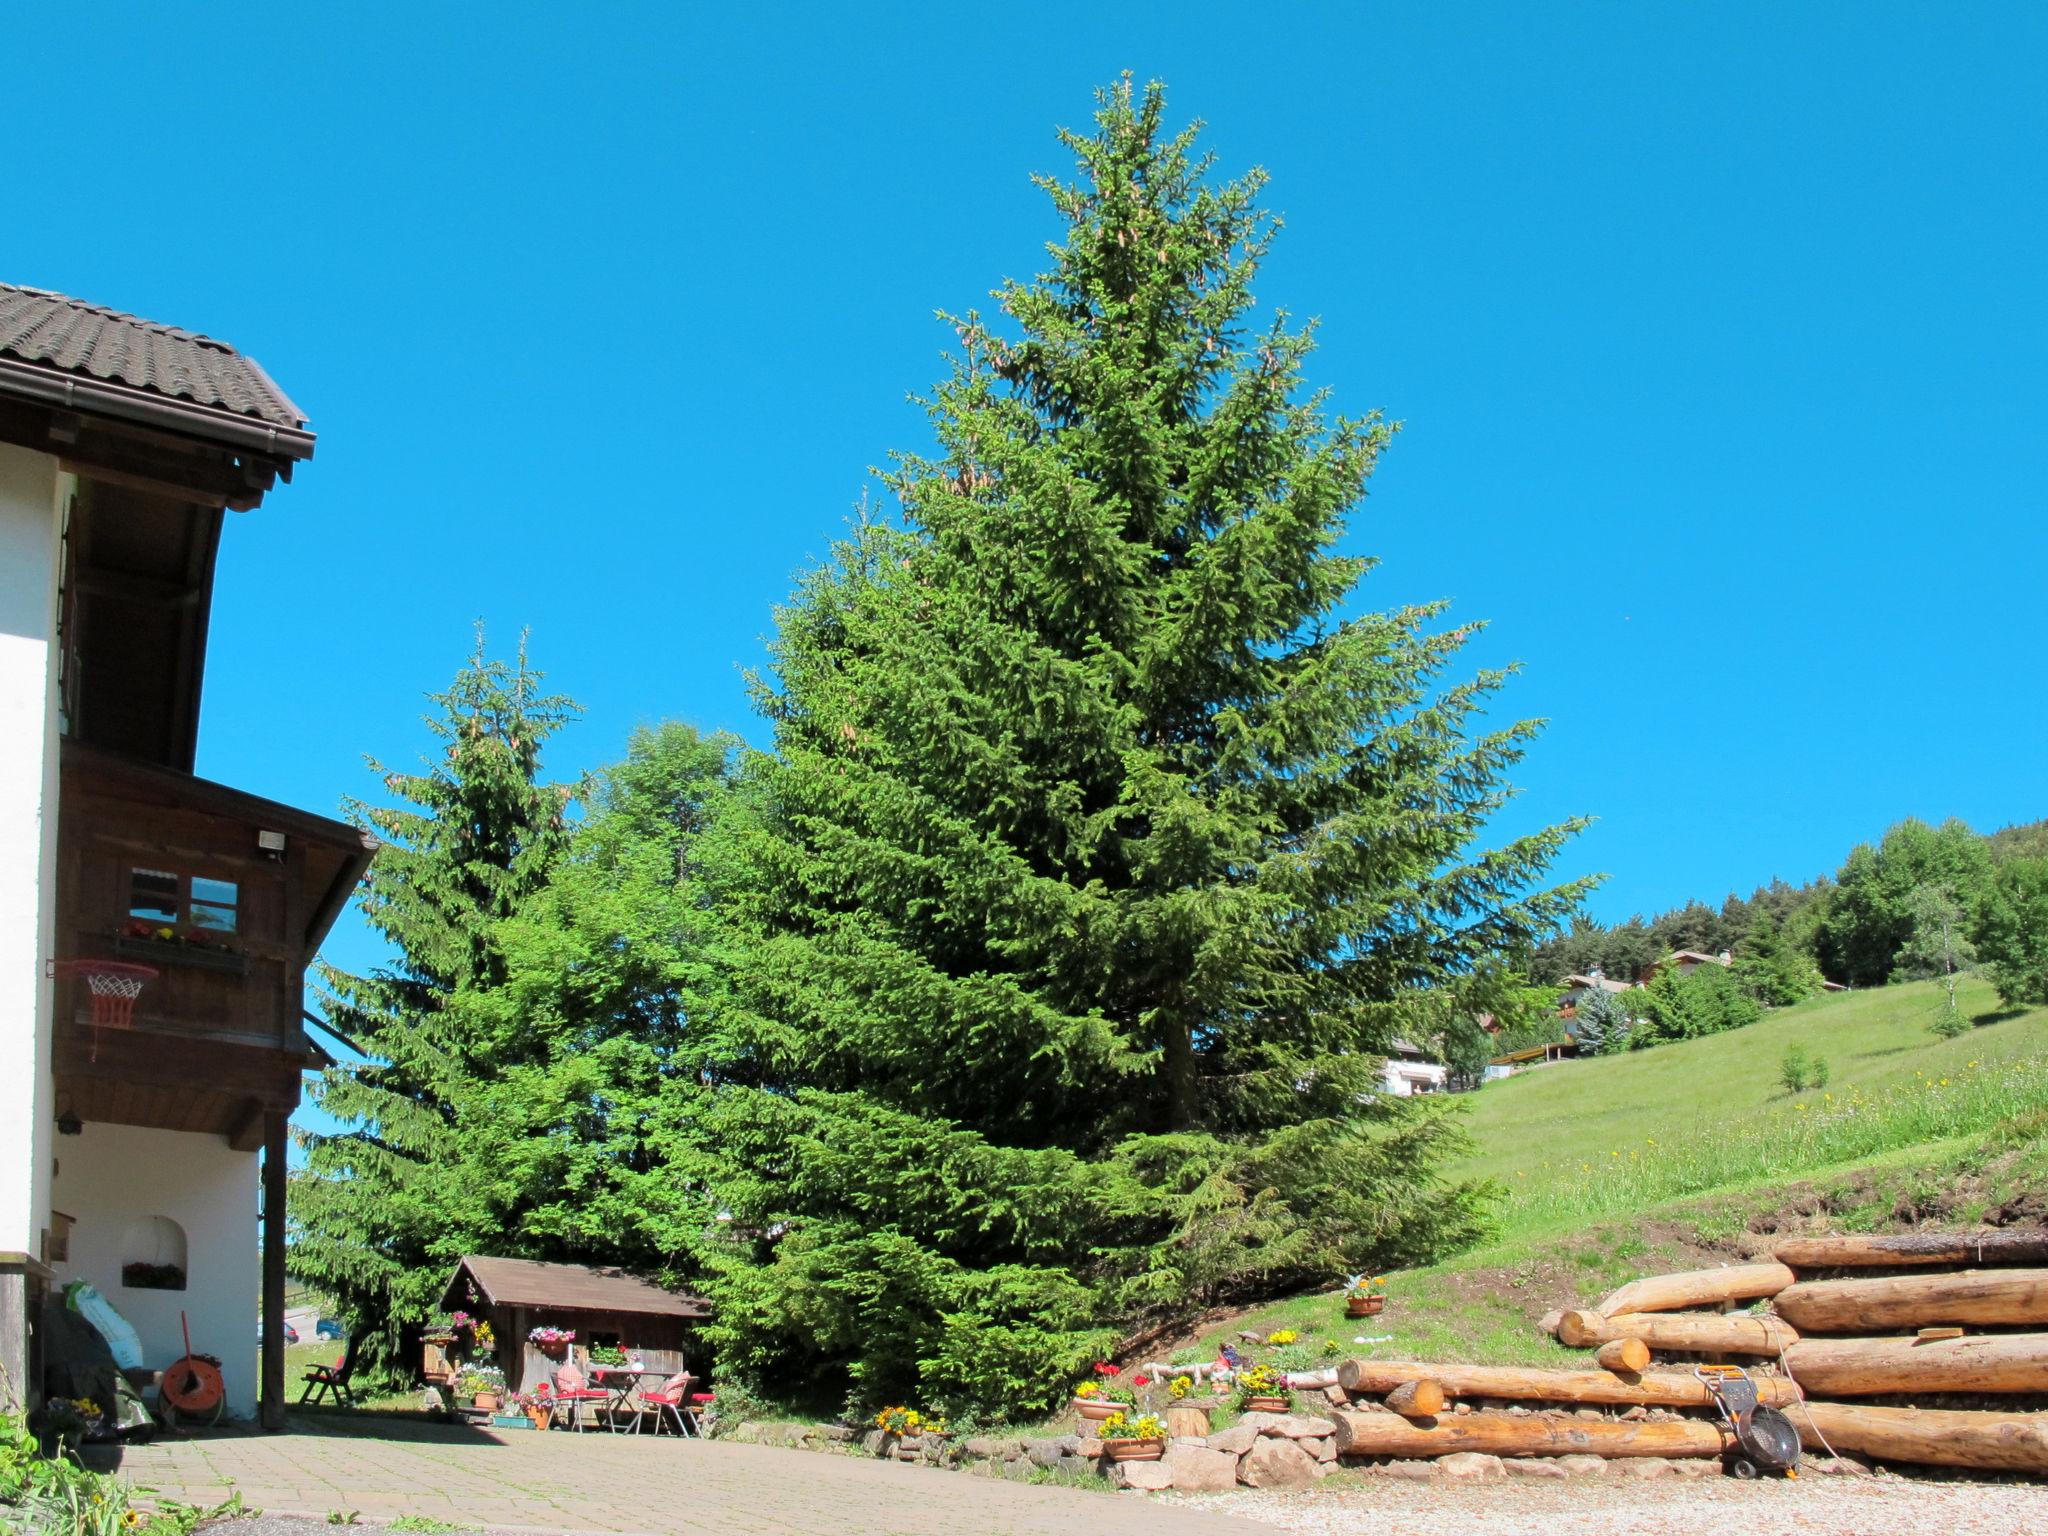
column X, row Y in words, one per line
column 2010, row 1442
column 1514, row 1434
column 1418, row 1399
column 1698, row 1288
column 1631, row 1356
column 1652, row 1389
column 2011, row 1296
column 1709, row 1333
column 1909, row 1249
column 1985, row 1362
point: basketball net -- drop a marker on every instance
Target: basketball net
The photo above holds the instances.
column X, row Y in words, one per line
column 114, row 985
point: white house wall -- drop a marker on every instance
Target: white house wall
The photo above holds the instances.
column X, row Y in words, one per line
column 112, row 1180
column 30, row 490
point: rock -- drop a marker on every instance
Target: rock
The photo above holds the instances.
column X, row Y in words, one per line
column 989, row 1448
column 1588, row 1413
column 1836, row 1466
column 1046, row 1453
column 843, row 1433
column 1336, row 1397
column 1019, row 1470
column 1193, row 1468
column 1152, row 1476
column 1237, row 1439
column 1091, row 1449
column 1582, row 1466
column 985, row 1469
column 1695, row 1466
column 1293, row 1426
column 1637, row 1415
column 1276, row 1462
column 1642, row 1466
column 1411, row 1471
column 1461, row 1407
column 1471, row 1467
column 1322, row 1447
column 875, row 1443
column 1549, row 1321
column 1533, row 1466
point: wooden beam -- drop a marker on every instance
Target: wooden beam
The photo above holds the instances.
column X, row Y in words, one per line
column 1910, row 1249
column 273, row 1271
column 1509, row 1434
column 1986, row 1362
column 1700, row 1333
column 1697, row 1288
column 2014, row 1297
column 251, row 1129
column 1654, row 1389
column 2007, row 1442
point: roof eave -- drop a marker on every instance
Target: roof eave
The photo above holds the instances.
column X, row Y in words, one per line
column 103, row 397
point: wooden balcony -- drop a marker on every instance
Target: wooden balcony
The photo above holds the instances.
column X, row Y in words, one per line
column 226, row 896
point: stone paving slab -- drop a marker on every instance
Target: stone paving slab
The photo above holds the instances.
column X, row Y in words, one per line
column 637, row 1485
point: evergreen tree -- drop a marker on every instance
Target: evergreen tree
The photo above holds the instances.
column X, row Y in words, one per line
column 1103, row 852
column 1601, row 1022
column 388, row 1201
column 1775, row 970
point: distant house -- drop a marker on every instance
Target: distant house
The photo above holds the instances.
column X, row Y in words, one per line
column 1576, row 987
column 1408, row 1071
column 1534, row 1056
column 596, row 1304
column 1685, row 962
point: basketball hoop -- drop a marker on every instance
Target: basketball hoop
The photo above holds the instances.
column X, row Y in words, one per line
column 114, row 984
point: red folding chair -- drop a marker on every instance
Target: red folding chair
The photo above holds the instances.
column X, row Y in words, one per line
column 572, row 1392
column 672, row 1402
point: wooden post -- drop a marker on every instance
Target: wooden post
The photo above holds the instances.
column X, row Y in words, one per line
column 1536, row 1434
column 1697, row 1288
column 2026, row 1246
column 273, row 1269
column 1697, row 1333
column 1657, row 1389
column 2005, row 1296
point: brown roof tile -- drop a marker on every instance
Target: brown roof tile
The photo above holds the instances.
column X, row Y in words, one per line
column 571, row 1288
column 71, row 336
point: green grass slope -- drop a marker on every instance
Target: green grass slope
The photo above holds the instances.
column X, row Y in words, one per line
column 1591, row 1139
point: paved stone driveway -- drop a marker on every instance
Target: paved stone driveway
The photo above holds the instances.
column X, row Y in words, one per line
column 383, row 1468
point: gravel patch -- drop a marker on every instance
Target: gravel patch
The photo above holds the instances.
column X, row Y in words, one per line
column 1877, row 1506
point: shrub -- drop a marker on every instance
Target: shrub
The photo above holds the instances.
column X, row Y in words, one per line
column 1706, row 1002
column 1800, row 1069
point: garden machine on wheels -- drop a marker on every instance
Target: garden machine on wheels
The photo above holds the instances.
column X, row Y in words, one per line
column 1764, row 1440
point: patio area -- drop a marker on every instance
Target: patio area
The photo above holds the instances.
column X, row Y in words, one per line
column 380, row 1469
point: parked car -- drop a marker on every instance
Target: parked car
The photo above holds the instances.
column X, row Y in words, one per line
column 327, row 1328
column 291, row 1334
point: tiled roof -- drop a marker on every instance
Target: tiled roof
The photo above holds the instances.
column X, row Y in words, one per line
column 571, row 1288
column 71, row 336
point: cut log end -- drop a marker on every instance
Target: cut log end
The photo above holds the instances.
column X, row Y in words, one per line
column 1422, row 1399
column 1629, row 1356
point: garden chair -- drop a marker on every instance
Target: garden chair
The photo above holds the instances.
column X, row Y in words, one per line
column 673, row 1402
column 332, row 1380
column 572, row 1392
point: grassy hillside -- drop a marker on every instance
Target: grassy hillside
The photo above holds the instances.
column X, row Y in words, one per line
column 1591, row 1139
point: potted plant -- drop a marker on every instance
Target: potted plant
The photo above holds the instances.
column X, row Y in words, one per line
column 1261, row 1389
column 607, row 1354
column 1363, row 1296
column 553, row 1342
column 1096, row 1400
column 64, row 1422
column 898, row 1425
column 1128, row 1438
column 486, row 1388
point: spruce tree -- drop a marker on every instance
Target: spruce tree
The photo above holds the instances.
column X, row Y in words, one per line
column 388, row 1200
column 1105, row 846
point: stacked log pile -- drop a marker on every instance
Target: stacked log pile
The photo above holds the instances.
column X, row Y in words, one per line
column 1907, row 1320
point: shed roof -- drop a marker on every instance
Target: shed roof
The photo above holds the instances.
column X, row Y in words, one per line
column 56, row 334
column 568, row 1288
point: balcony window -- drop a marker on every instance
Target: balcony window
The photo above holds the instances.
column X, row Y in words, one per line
column 174, row 900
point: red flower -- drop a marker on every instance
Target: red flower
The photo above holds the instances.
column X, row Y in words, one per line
column 1141, row 1381
column 1104, row 1368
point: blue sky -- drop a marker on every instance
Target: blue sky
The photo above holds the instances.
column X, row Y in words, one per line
column 1718, row 334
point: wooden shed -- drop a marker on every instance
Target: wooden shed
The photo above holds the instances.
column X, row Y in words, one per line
column 600, row 1305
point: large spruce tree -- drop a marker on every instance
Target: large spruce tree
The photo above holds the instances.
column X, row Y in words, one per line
column 1105, row 846
column 389, row 1198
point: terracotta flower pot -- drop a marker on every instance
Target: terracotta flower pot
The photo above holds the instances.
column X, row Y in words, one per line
column 1134, row 1450
column 1364, row 1306
column 1265, row 1405
column 1095, row 1407
column 487, row 1402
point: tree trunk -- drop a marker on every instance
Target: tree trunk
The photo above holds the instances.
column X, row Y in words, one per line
column 1989, row 1362
column 2011, row 1442
column 1630, row 1355
column 1653, row 1389
column 1698, row 1288
column 1688, row 1332
column 1418, row 1399
column 2009, row 1296
column 1909, row 1249
column 1535, row 1434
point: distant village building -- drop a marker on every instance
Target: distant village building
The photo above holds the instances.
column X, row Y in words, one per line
column 1683, row 961
column 1409, row 1071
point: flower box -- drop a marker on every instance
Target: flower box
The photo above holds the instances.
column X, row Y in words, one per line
column 168, row 952
column 1363, row 1306
column 1265, row 1405
column 1093, row 1408
column 515, row 1421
